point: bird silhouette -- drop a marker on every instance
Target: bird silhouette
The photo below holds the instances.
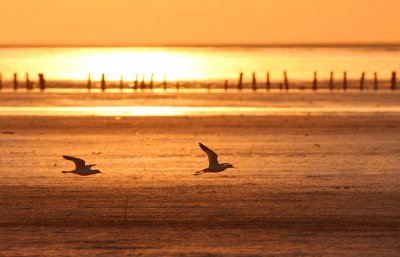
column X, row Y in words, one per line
column 80, row 167
column 213, row 165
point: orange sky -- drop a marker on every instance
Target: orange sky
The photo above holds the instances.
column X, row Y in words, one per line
column 198, row 21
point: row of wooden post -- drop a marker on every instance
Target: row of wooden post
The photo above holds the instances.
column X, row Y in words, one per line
column 136, row 85
column 285, row 85
column 142, row 85
column 28, row 83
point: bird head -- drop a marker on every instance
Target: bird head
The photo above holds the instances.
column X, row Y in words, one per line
column 97, row 171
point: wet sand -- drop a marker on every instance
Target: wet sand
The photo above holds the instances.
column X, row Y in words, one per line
column 305, row 184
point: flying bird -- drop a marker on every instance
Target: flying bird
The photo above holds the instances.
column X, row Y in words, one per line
column 80, row 167
column 213, row 165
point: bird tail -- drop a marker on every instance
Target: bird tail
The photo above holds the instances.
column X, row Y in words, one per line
column 199, row 173
column 66, row 171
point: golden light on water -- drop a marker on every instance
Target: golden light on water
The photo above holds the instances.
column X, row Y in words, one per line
column 126, row 111
column 141, row 62
column 193, row 63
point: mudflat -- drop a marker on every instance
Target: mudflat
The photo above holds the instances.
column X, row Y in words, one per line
column 304, row 184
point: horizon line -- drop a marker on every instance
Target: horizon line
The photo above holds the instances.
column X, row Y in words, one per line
column 233, row 45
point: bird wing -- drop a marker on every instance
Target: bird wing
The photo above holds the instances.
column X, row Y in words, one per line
column 79, row 163
column 212, row 156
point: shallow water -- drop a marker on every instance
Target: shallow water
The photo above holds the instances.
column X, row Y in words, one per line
column 196, row 63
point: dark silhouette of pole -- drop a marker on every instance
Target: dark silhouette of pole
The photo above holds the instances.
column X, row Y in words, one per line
column 268, row 82
column 27, row 81
column 103, row 82
column 315, row 82
column 15, row 81
column 42, row 82
column 121, row 83
column 254, row 82
column 151, row 81
column 1, row 81
column 286, row 81
column 89, row 82
column 226, row 85
column 362, row 81
column 375, row 81
column 240, row 83
column 344, row 81
column 136, row 82
column 142, row 84
column 394, row 81
column 331, row 81
column 177, row 86
column 165, row 82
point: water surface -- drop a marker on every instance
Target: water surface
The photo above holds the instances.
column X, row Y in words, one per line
column 195, row 63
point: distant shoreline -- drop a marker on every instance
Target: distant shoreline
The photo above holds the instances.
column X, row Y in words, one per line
column 222, row 45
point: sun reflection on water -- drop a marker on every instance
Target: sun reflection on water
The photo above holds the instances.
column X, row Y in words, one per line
column 127, row 111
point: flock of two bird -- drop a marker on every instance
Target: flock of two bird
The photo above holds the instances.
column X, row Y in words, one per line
column 213, row 166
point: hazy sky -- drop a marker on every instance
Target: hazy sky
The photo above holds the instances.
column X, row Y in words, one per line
column 198, row 21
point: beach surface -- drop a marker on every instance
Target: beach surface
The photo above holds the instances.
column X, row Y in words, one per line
column 321, row 181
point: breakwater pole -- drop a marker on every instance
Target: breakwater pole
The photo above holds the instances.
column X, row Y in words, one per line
column 285, row 80
column 254, row 82
column 362, row 81
column 89, row 82
column 165, row 82
column 331, row 81
column 226, row 85
column 136, row 82
column 121, row 83
column 142, row 84
column 240, row 83
column 345, row 81
column 103, row 82
column 315, row 82
column 394, row 81
column 42, row 82
column 1, row 81
column 15, row 82
column 27, row 82
column 151, row 81
column 375, row 81
column 268, row 82
column 177, row 86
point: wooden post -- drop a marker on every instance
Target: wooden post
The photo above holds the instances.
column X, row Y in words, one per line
column 331, row 81
column 27, row 81
column 240, row 81
column 254, row 82
column 103, row 82
column 121, row 83
column 226, row 85
column 268, row 83
column 315, row 82
column 394, row 81
column 1, row 81
column 362, row 81
column 165, row 82
column 151, row 81
column 177, row 86
column 136, row 83
column 89, row 82
column 42, row 82
column 142, row 84
column 15, row 82
column 286, row 80
column 209, row 87
column 344, row 81
column 375, row 81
